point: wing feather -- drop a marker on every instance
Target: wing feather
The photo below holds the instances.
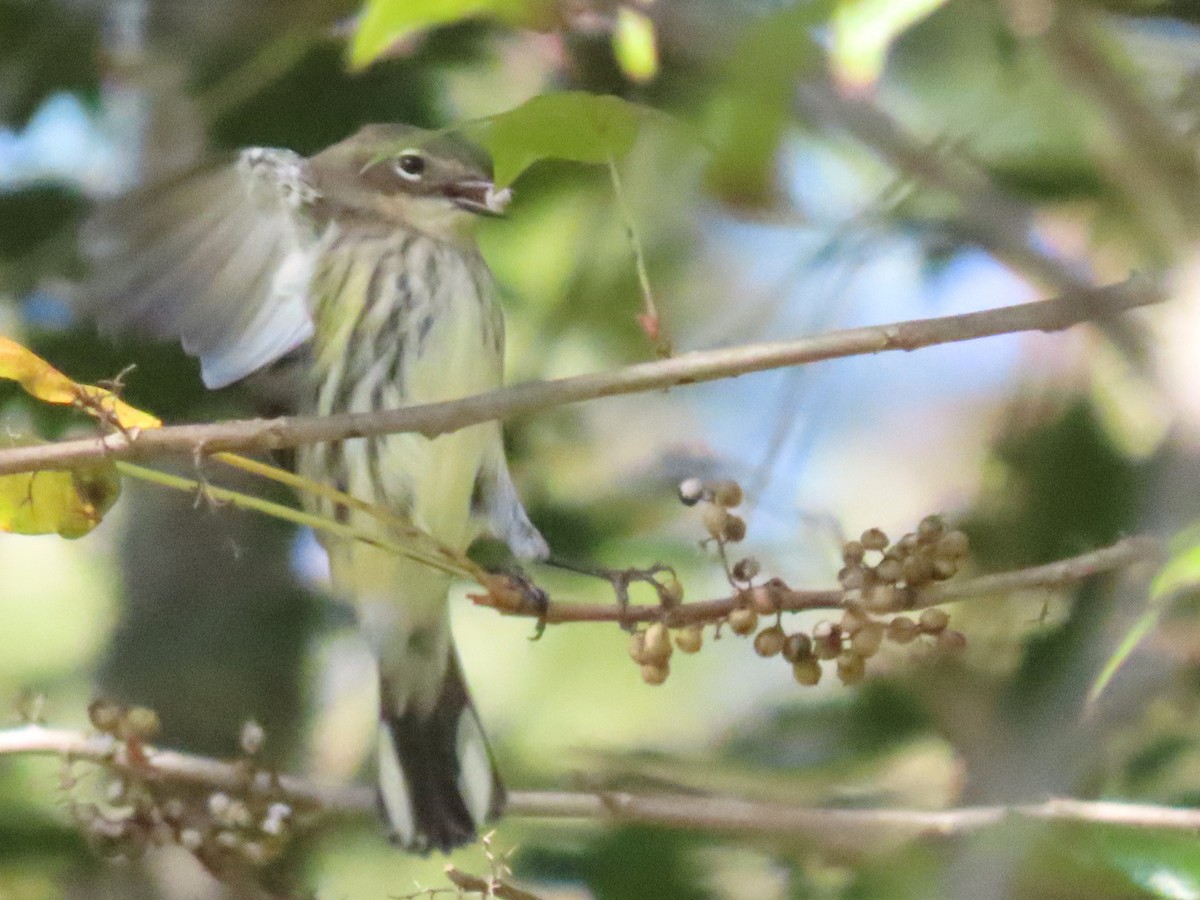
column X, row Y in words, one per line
column 218, row 259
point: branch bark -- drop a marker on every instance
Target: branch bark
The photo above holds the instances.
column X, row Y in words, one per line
column 826, row 825
column 988, row 217
column 1077, row 42
column 1053, row 575
column 182, row 768
column 258, row 435
column 486, row 887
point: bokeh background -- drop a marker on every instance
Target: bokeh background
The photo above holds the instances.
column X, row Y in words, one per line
column 856, row 162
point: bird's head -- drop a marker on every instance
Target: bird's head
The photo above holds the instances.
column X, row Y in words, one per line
column 427, row 180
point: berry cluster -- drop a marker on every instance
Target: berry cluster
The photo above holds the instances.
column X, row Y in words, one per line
column 249, row 827
column 719, row 497
column 879, row 578
column 900, row 569
column 651, row 648
column 880, row 581
column 851, row 641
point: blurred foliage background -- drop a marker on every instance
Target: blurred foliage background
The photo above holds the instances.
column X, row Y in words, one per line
column 840, row 162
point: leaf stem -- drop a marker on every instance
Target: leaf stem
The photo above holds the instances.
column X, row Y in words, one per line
column 651, row 321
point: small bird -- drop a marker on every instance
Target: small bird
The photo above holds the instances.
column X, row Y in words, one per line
column 357, row 267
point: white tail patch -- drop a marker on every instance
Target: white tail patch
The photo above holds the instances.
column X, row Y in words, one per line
column 393, row 789
column 476, row 780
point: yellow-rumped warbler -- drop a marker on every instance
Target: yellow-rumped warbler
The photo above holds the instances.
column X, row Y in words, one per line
column 361, row 267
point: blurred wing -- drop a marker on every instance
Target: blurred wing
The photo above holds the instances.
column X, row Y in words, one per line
column 219, row 260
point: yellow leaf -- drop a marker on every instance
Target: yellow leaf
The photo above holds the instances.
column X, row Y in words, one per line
column 635, row 45
column 42, row 380
column 69, row 503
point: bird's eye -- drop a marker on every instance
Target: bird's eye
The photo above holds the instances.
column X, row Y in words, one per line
column 410, row 165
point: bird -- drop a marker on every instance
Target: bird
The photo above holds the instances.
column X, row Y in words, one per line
column 353, row 278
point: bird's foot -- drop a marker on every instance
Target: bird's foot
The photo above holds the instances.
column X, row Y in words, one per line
column 514, row 592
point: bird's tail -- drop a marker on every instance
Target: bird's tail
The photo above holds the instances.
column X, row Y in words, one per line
column 438, row 784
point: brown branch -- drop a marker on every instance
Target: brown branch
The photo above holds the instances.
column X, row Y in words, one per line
column 259, row 435
column 1058, row 574
column 1062, row 573
column 996, row 221
column 830, row 826
column 1076, row 41
column 988, row 217
column 182, row 768
column 486, row 887
column 833, row 825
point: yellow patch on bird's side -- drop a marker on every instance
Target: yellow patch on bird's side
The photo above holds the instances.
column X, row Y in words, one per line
column 403, row 319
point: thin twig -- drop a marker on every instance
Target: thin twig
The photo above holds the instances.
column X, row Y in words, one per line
column 168, row 765
column 988, row 217
column 261, row 435
column 1062, row 573
column 1075, row 40
column 998, row 222
column 401, row 538
column 837, row 825
column 266, row 66
column 695, row 811
column 1058, row 574
column 487, row 887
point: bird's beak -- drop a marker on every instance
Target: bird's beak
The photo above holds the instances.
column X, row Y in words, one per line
column 479, row 196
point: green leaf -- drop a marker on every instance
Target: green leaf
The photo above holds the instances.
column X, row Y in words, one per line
column 1182, row 569
column 44, row 49
column 1162, row 864
column 1180, row 574
column 863, row 30
column 1145, row 624
column 749, row 116
column 384, row 22
column 31, row 216
column 1111, row 861
column 571, row 125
